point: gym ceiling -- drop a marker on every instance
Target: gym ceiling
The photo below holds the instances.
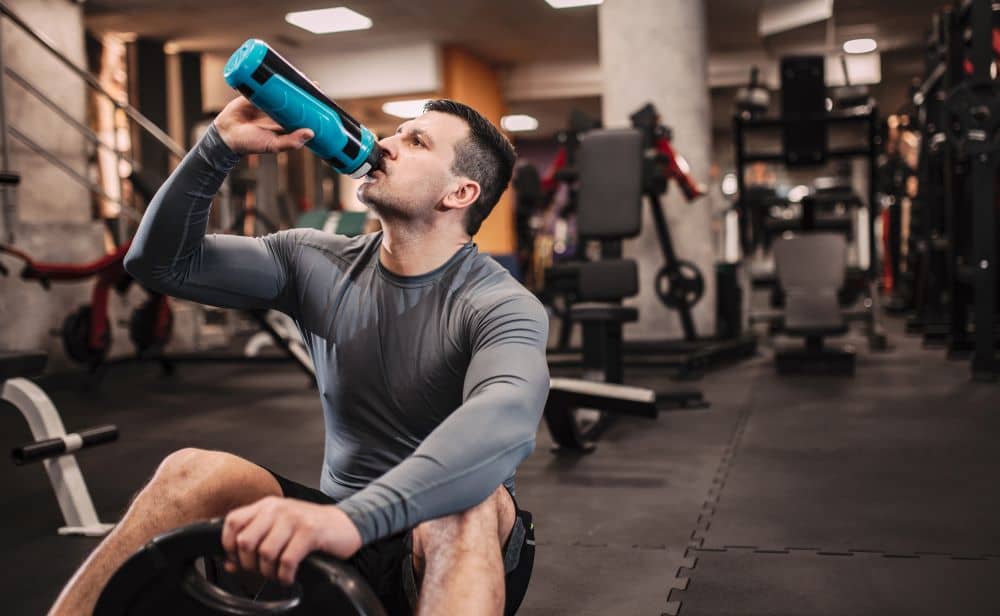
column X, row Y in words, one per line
column 515, row 33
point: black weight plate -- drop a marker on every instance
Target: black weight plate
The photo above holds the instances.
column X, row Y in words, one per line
column 681, row 286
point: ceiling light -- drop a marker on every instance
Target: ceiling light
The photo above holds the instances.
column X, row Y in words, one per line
column 405, row 109
column 796, row 194
column 568, row 4
column 518, row 122
column 862, row 45
column 730, row 184
column 323, row 21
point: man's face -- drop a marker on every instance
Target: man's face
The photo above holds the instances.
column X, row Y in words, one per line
column 416, row 169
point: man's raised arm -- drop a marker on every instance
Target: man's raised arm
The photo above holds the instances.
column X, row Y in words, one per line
column 171, row 253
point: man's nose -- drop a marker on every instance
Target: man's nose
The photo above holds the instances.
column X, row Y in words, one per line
column 388, row 145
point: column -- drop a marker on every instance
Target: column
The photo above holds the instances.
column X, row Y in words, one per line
column 656, row 51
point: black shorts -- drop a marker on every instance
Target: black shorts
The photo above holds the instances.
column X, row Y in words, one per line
column 388, row 568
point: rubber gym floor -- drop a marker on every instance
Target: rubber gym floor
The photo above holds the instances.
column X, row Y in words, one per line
column 789, row 495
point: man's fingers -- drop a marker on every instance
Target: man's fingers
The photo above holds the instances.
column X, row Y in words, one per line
column 234, row 523
column 298, row 548
column 291, row 141
column 267, row 123
column 272, row 546
column 249, row 538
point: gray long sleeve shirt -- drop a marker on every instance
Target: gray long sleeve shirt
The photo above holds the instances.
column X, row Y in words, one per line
column 432, row 386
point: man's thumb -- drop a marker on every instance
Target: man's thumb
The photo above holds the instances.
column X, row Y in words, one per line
column 303, row 135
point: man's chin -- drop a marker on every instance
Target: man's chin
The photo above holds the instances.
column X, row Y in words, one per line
column 370, row 199
column 364, row 194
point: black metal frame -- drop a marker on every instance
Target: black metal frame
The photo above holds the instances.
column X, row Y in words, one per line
column 981, row 134
column 931, row 253
column 955, row 236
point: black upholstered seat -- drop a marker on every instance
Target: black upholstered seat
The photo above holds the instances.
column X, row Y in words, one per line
column 599, row 311
column 811, row 269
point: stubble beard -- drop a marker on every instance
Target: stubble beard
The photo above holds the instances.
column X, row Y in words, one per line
column 383, row 206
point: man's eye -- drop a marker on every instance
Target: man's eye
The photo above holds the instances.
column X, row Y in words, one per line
column 416, row 141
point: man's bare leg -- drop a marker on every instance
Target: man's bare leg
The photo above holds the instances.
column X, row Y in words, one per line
column 460, row 561
column 189, row 485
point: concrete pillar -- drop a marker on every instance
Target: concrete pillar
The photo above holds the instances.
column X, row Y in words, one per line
column 656, row 51
column 54, row 218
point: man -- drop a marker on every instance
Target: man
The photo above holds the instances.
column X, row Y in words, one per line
column 430, row 361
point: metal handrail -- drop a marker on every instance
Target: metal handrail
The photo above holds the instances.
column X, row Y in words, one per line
column 92, row 81
column 79, row 126
column 73, row 173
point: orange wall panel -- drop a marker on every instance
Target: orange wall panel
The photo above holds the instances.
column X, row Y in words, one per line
column 469, row 80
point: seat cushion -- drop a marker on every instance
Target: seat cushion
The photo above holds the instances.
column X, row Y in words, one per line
column 594, row 311
column 813, row 314
column 608, row 280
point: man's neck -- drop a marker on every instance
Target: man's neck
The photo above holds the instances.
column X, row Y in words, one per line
column 412, row 252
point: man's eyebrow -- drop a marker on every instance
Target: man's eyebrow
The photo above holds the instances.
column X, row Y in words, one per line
column 418, row 132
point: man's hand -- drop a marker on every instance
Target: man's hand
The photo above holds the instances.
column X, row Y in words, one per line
column 248, row 130
column 273, row 535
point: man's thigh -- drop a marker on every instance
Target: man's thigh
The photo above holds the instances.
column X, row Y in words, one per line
column 516, row 536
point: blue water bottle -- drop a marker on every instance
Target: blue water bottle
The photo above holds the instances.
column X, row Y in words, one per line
column 278, row 89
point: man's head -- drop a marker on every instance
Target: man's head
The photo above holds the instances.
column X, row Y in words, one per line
column 450, row 160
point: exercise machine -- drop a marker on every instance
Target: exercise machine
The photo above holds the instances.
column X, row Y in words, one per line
column 609, row 210
column 804, row 126
column 679, row 283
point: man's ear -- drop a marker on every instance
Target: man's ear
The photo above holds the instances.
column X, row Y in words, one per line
column 464, row 193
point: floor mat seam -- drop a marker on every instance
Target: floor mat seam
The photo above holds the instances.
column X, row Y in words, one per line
column 703, row 523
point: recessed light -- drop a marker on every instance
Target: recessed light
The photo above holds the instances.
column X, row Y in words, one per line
column 518, row 123
column 405, row 109
column 861, row 45
column 796, row 194
column 568, row 4
column 324, row 21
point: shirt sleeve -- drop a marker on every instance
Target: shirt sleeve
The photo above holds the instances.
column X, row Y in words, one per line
column 171, row 253
column 472, row 452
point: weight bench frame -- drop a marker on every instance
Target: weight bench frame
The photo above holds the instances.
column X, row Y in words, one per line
column 568, row 395
column 64, row 473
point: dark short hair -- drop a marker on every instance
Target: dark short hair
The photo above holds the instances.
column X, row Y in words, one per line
column 486, row 156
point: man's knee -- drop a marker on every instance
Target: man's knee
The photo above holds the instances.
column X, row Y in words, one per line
column 213, row 480
column 490, row 519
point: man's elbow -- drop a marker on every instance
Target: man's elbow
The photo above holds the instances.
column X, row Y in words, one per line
column 143, row 271
column 133, row 263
